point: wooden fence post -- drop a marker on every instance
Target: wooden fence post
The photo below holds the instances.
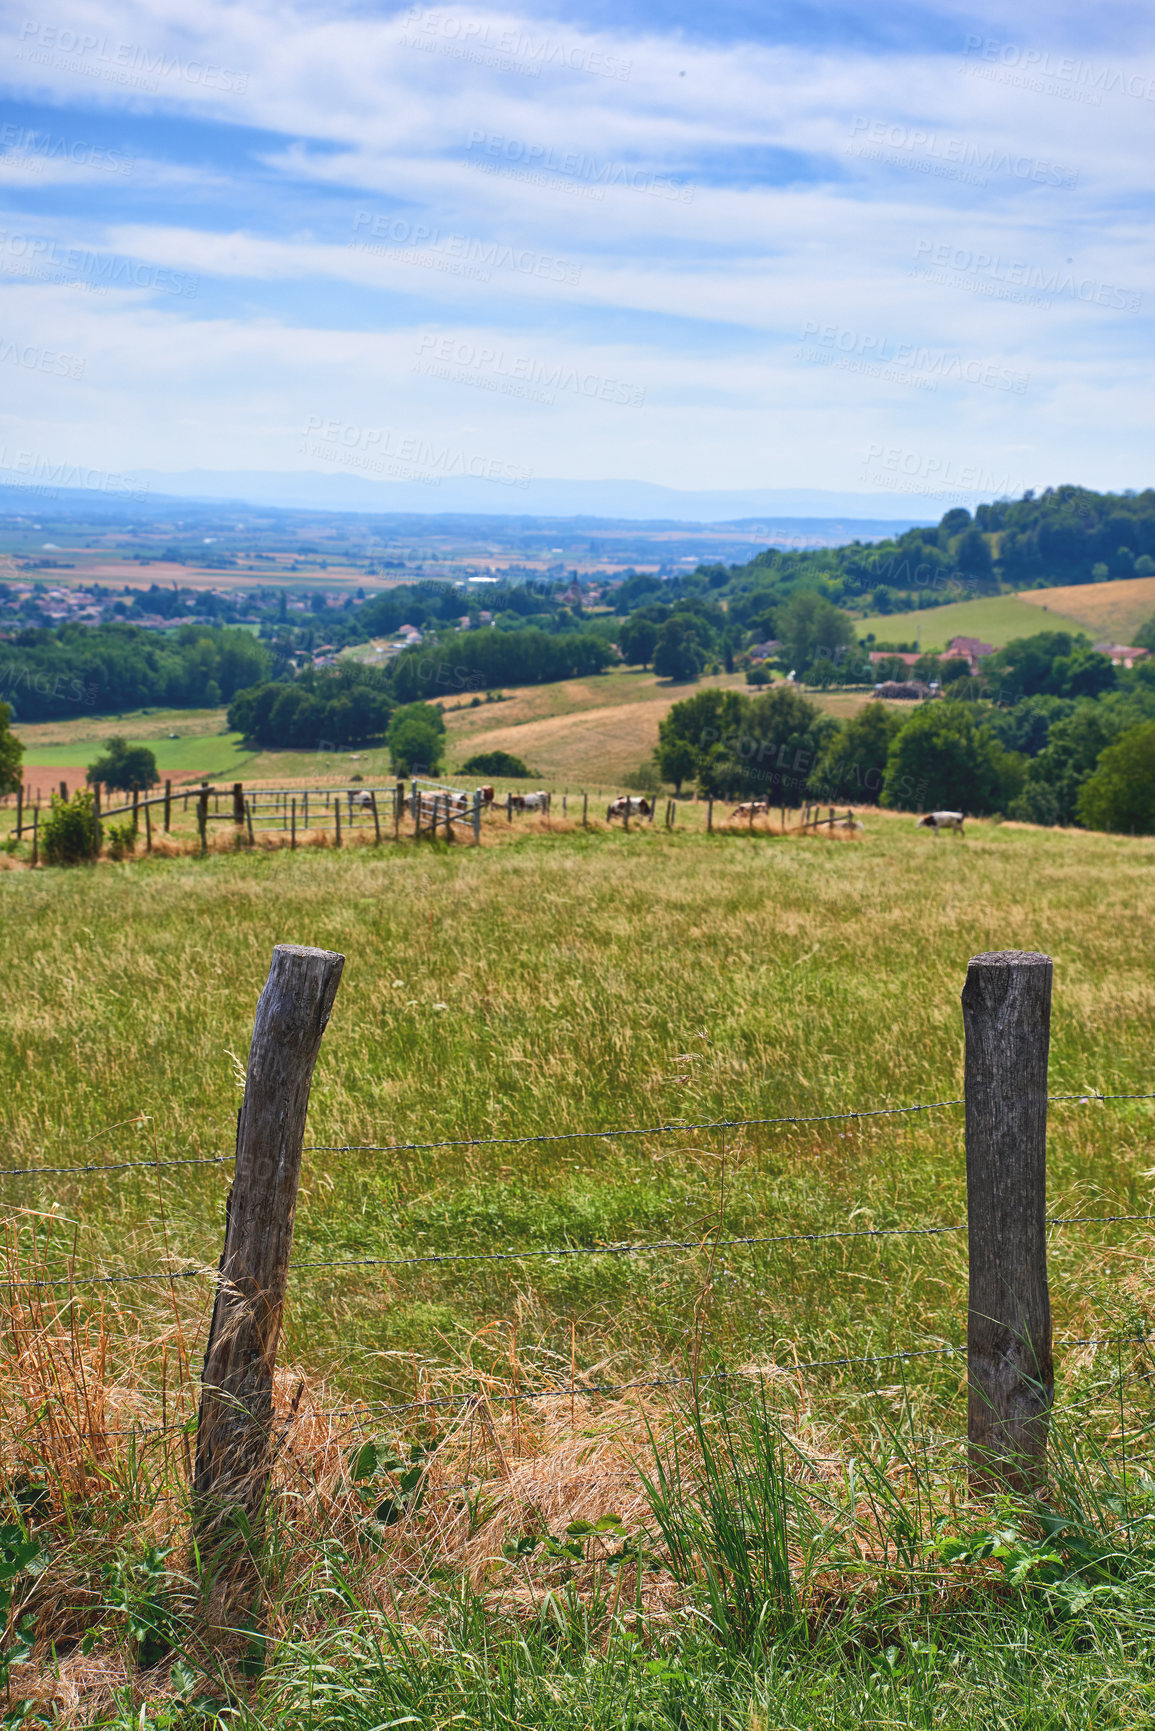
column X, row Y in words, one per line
column 376, row 818
column 202, row 819
column 19, row 810
column 585, row 810
column 249, row 821
column 234, row 1426
column 709, row 817
column 1006, row 1005
column 477, row 818
column 293, row 825
column 337, row 820
column 148, row 826
column 238, row 803
column 398, row 808
column 135, row 809
column 35, row 835
column 167, row 806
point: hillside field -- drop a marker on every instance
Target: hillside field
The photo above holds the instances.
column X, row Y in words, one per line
column 501, row 1009
column 994, row 619
column 1109, row 611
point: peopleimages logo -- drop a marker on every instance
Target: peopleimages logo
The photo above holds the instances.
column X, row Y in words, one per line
column 920, row 472
column 28, row 469
column 39, row 360
column 124, row 63
column 482, row 41
column 547, row 166
column 1000, row 278
column 19, row 251
column 25, row 147
column 402, row 456
column 519, row 375
column 1030, row 67
column 420, row 243
column 980, row 160
column 877, row 356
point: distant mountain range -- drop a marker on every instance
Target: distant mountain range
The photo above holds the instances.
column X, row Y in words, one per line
column 624, row 501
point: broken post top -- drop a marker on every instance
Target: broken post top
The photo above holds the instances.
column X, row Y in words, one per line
column 1010, row 959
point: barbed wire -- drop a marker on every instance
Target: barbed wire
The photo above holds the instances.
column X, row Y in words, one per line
column 375, row 1409
column 668, row 1129
column 114, row 1166
column 557, row 1252
column 678, row 1127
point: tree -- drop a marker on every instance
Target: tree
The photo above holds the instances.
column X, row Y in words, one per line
column 501, row 763
column 637, row 640
column 11, row 753
column 1144, row 638
column 1073, row 747
column 853, row 763
column 811, row 628
column 1120, row 794
column 676, row 759
column 416, row 739
column 124, row 766
column 678, row 652
column 941, row 761
column 973, row 554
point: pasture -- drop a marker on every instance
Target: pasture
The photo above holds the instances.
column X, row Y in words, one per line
column 567, row 982
column 992, row 618
column 556, row 984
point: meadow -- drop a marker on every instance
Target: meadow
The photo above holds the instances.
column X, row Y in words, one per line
column 993, row 619
column 556, row 985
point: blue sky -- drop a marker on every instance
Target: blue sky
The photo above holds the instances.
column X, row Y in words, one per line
column 900, row 250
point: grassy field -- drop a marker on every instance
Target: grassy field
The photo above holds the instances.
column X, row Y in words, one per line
column 1109, row 611
column 545, row 986
column 994, row 619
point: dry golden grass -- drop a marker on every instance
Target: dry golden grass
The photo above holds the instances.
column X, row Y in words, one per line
column 1109, row 611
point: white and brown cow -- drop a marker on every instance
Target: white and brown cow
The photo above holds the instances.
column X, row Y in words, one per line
column 628, row 805
column 936, row 820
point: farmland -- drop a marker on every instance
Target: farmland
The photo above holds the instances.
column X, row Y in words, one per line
column 993, row 619
column 556, row 983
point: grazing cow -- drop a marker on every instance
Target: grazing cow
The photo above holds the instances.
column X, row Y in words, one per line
column 751, row 808
column 628, row 805
column 936, row 820
column 364, row 800
column 538, row 801
column 486, row 793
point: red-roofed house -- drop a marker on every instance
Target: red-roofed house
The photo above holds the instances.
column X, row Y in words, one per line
column 1122, row 655
column 969, row 649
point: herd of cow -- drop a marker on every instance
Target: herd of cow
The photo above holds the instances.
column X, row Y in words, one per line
column 625, row 806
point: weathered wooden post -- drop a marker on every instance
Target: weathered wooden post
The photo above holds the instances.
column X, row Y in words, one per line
column 238, row 803
column 477, row 818
column 249, row 821
column 202, row 819
column 35, row 835
column 509, row 807
column 585, row 810
column 135, row 809
column 64, row 790
column 19, row 810
column 96, row 833
column 1006, row 1005
column 398, row 808
column 148, row 826
column 293, row 826
column 653, row 807
column 376, row 818
column 710, row 817
column 234, row 1426
column 167, row 806
column 337, row 821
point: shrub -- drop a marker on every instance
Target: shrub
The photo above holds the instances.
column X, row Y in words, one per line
column 68, row 834
column 502, row 763
column 121, row 839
